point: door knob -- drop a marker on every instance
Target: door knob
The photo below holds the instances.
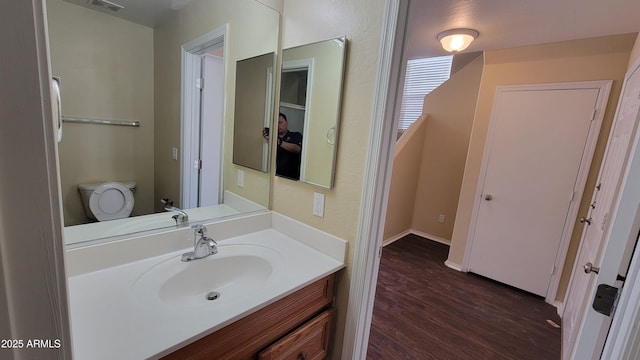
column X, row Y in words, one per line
column 488, row 197
column 585, row 220
column 589, row 268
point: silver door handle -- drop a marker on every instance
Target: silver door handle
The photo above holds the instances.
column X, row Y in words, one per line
column 585, row 220
column 488, row 197
column 589, row 268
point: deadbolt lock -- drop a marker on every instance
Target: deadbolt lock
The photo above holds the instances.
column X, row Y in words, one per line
column 585, row 220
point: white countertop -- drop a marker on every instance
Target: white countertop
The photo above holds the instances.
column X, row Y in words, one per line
column 233, row 205
column 110, row 321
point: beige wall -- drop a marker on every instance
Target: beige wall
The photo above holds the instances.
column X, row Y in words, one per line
column 253, row 30
column 426, row 178
column 635, row 53
column 459, row 61
column 451, row 108
column 404, row 180
column 603, row 58
column 106, row 70
column 307, row 21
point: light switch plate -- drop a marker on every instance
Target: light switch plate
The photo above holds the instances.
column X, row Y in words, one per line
column 241, row 178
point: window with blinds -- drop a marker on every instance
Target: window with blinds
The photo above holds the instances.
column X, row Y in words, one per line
column 422, row 76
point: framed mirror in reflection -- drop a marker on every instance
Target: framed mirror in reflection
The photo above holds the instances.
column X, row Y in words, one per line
column 116, row 69
column 253, row 111
column 310, row 100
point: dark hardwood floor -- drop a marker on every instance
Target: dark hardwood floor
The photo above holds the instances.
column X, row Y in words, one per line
column 425, row 310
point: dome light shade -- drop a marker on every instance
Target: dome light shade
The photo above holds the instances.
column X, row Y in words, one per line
column 456, row 40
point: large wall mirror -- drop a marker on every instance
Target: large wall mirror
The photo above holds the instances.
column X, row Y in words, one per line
column 253, row 111
column 125, row 74
column 310, row 99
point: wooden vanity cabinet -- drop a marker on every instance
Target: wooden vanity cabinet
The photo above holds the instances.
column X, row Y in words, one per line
column 297, row 327
column 308, row 342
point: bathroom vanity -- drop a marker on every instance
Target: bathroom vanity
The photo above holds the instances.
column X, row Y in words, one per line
column 297, row 326
column 273, row 276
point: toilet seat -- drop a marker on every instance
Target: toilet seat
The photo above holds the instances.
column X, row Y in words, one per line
column 110, row 201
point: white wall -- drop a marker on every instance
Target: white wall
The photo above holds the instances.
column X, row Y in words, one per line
column 33, row 298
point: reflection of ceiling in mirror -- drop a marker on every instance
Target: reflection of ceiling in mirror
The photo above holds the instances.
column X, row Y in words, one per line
column 149, row 13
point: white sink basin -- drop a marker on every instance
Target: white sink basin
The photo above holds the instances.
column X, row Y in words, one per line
column 236, row 271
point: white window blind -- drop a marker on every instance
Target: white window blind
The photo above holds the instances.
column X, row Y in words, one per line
column 422, row 76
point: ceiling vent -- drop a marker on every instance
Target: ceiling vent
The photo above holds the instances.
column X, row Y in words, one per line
column 106, row 4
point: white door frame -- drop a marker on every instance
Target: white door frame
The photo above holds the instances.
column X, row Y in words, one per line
column 623, row 341
column 604, row 88
column 268, row 116
column 625, row 224
column 376, row 180
column 190, row 105
column 622, row 234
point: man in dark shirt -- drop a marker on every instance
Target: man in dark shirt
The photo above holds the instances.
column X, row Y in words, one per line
column 289, row 149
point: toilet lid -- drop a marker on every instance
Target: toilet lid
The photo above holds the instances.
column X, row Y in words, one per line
column 111, row 201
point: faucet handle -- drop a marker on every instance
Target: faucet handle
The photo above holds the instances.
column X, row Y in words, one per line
column 167, row 201
column 199, row 229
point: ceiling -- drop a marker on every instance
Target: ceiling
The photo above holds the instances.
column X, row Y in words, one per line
column 511, row 23
column 501, row 23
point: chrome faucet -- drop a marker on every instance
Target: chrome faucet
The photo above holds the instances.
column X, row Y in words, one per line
column 203, row 245
column 181, row 217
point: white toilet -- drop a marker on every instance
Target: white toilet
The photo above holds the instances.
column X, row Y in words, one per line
column 107, row 201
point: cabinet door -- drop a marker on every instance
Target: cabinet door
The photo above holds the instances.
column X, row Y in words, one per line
column 308, row 342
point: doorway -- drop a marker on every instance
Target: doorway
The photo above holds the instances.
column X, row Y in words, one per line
column 295, row 96
column 202, row 124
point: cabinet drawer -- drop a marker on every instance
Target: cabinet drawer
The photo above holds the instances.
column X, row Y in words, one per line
column 309, row 342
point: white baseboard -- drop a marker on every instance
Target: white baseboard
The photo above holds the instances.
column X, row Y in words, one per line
column 418, row 233
column 431, row 237
column 454, row 266
column 395, row 238
column 559, row 307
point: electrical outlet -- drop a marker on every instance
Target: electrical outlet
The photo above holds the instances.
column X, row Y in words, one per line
column 318, row 204
column 241, row 178
column 441, row 218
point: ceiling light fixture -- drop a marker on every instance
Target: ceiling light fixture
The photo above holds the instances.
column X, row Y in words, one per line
column 456, row 40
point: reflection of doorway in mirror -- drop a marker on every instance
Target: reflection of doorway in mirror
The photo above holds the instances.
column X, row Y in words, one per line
column 211, row 124
column 203, row 120
column 295, row 94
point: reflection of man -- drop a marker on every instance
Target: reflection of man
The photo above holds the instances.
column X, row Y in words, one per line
column 289, row 148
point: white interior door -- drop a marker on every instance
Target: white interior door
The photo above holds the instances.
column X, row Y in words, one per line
column 192, row 108
column 537, row 152
column 578, row 302
column 210, row 179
